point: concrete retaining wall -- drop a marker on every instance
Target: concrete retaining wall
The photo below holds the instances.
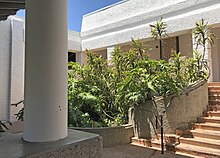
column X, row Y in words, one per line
column 178, row 112
column 187, row 108
column 112, row 136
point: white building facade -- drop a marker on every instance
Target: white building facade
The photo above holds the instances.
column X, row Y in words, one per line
column 115, row 25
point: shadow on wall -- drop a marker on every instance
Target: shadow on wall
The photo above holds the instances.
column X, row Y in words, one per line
column 143, row 118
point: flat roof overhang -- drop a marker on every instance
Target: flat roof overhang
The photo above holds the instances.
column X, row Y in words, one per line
column 10, row 7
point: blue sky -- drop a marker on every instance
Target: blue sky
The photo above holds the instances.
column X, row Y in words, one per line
column 78, row 8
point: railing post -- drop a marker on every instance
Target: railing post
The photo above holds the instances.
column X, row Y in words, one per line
column 162, row 144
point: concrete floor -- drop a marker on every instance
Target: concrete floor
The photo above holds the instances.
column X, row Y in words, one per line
column 132, row 151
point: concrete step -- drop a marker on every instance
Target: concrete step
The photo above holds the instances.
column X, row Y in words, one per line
column 201, row 142
column 214, row 87
column 140, row 142
column 188, row 155
column 206, row 134
column 214, row 102
column 207, row 126
column 214, row 92
column 157, row 144
column 212, row 119
column 169, row 138
column 214, row 84
column 154, row 144
column 214, row 96
column 214, row 107
column 213, row 113
column 198, row 151
column 169, row 143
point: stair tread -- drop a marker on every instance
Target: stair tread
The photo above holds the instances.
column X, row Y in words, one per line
column 211, row 83
column 156, row 141
column 167, row 135
column 208, row 124
column 214, row 90
column 202, row 140
column 212, row 118
column 198, row 149
column 214, row 86
column 216, row 112
column 141, row 139
column 211, row 132
column 214, row 100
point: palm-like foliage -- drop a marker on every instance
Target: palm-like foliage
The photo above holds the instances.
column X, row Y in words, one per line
column 140, row 47
column 203, row 36
column 158, row 31
column 3, row 127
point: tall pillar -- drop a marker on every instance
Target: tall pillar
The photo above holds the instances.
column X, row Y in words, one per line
column 45, row 115
column 215, row 56
column 82, row 57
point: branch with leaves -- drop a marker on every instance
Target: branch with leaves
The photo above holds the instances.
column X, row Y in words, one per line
column 203, row 36
column 158, row 32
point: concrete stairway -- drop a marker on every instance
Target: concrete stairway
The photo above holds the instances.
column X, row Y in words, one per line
column 205, row 141
column 202, row 141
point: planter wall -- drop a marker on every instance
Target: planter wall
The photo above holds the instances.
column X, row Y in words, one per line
column 178, row 112
column 112, row 136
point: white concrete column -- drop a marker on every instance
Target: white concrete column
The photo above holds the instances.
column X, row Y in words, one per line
column 215, row 57
column 82, row 57
column 110, row 50
column 5, row 69
column 45, row 115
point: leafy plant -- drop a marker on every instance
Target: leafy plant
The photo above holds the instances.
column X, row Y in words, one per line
column 158, row 32
column 3, row 127
column 20, row 115
column 203, row 36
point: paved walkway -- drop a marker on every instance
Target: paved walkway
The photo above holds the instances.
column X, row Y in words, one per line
column 131, row 151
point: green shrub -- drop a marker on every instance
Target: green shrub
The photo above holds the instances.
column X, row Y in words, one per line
column 100, row 94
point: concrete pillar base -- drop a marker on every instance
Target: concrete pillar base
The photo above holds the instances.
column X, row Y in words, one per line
column 77, row 145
